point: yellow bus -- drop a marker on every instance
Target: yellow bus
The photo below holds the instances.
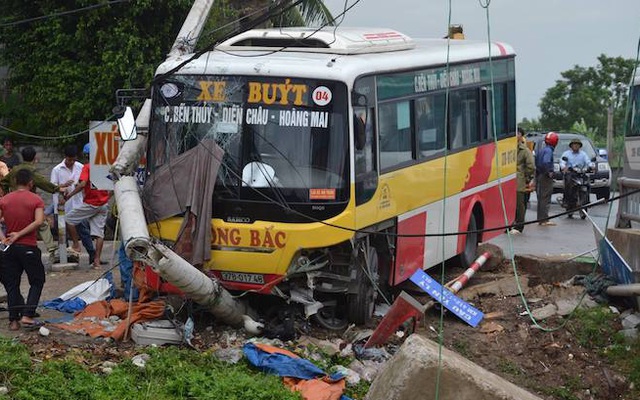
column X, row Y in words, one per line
column 351, row 158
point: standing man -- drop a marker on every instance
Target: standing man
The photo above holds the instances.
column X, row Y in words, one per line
column 573, row 157
column 67, row 171
column 525, row 171
column 544, row 177
column 94, row 208
column 9, row 183
column 10, row 157
column 23, row 213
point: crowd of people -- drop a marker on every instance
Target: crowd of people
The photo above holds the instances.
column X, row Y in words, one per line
column 536, row 174
column 22, row 215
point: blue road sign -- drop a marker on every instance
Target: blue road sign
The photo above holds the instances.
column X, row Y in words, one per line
column 456, row 305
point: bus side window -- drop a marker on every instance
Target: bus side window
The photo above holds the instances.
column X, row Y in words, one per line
column 463, row 118
column 395, row 134
column 429, row 123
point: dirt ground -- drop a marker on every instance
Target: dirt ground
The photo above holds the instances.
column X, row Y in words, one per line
column 505, row 343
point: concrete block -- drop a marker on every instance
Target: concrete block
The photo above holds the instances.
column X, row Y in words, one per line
column 627, row 243
column 551, row 269
column 59, row 267
column 411, row 375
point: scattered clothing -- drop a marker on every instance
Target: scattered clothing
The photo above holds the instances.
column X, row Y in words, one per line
column 89, row 321
column 298, row 374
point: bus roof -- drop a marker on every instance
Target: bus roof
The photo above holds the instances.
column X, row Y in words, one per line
column 351, row 52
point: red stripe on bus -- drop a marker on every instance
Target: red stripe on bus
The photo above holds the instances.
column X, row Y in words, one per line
column 410, row 250
column 480, row 170
column 503, row 50
column 385, row 35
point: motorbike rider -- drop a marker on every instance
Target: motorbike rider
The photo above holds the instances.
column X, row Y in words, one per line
column 573, row 158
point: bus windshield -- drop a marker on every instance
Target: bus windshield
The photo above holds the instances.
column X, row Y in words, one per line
column 281, row 135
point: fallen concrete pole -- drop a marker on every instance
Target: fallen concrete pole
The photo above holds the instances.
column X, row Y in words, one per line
column 191, row 281
column 133, row 225
column 196, row 285
column 412, row 372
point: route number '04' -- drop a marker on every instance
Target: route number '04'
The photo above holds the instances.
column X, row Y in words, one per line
column 321, row 96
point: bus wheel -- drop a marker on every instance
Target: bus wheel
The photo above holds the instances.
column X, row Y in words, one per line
column 331, row 317
column 468, row 256
column 361, row 303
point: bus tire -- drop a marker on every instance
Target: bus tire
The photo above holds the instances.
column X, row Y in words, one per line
column 469, row 253
column 360, row 305
column 330, row 317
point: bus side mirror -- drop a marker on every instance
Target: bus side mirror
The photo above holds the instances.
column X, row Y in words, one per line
column 126, row 124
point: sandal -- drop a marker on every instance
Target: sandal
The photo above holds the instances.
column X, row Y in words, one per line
column 14, row 325
column 36, row 324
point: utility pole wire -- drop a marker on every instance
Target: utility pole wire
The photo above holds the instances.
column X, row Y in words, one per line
column 25, row 21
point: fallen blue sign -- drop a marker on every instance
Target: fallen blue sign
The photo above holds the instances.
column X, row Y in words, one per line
column 456, row 305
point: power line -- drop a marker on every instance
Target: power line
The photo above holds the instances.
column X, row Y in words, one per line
column 62, row 13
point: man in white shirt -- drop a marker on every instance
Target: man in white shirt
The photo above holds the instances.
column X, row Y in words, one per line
column 68, row 171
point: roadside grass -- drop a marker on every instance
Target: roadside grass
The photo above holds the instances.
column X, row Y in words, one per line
column 597, row 329
column 170, row 373
column 566, row 391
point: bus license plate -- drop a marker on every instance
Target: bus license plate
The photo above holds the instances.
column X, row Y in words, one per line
column 242, row 277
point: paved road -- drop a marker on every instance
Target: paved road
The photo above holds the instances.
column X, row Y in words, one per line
column 571, row 237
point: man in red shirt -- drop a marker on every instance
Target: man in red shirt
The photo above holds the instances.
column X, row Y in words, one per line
column 23, row 213
column 94, row 209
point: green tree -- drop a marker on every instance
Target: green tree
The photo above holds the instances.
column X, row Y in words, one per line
column 64, row 70
column 532, row 125
column 584, row 94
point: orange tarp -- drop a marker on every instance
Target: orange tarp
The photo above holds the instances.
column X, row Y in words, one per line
column 88, row 320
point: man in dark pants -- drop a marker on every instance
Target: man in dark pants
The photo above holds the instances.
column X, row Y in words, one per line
column 9, row 183
column 524, row 175
column 23, row 213
column 544, row 177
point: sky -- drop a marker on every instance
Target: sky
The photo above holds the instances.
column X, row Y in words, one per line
column 548, row 36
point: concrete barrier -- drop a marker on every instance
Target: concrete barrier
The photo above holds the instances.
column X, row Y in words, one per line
column 411, row 375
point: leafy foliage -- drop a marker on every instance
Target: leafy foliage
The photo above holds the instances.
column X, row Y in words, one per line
column 64, row 70
column 170, row 373
column 584, row 94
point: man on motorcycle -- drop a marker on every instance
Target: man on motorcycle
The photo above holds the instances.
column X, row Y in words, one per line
column 573, row 158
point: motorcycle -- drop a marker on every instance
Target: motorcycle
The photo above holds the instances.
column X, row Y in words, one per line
column 580, row 183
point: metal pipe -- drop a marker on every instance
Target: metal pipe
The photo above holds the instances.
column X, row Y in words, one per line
column 632, row 289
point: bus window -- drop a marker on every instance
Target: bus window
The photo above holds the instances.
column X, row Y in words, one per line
column 463, row 111
column 511, row 108
column 429, row 123
column 395, row 134
column 500, row 111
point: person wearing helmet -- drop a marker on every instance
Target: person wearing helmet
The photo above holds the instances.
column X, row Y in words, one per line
column 571, row 159
column 544, row 178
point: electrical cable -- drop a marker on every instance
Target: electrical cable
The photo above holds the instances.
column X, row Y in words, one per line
column 53, row 15
column 72, row 135
column 447, row 97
